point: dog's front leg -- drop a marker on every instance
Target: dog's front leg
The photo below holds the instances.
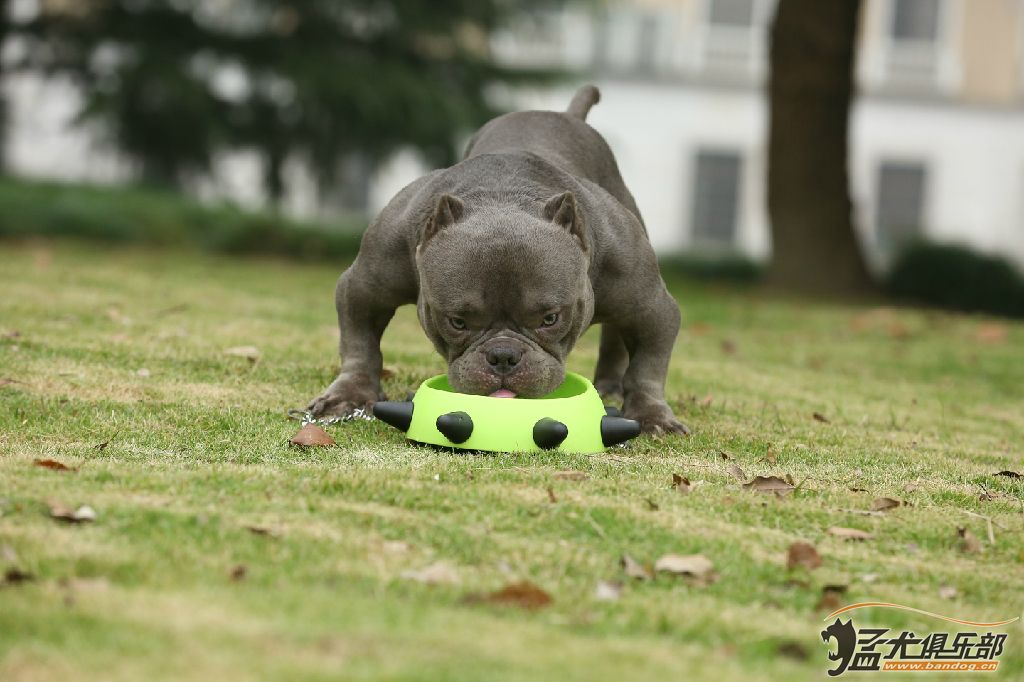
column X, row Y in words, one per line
column 365, row 307
column 649, row 337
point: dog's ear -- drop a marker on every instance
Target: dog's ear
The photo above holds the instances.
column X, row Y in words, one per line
column 448, row 211
column 562, row 211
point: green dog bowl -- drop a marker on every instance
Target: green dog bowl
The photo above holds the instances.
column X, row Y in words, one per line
column 571, row 418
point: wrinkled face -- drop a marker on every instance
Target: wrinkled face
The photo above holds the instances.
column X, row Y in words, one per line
column 503, row 297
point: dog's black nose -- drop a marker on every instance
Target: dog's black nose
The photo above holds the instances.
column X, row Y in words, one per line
column 503, row 359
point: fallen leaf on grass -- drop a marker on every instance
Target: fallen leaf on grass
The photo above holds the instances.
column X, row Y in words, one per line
column 849, row 533
column 692, row 565
column 969, row 542
column 736, row 472
column 104, row 444
column 260, row 530
column 524, row 595
column 770, row 484
column 84, row 514
column 437, row 573
column 884, row 504
column 634, row 569
column 769, row 456
column 681, row 484
column 831, row 598
column 1008, row 474
column 52, row 464
column 569, row 475
column 947, row 592
column 819, row 417
column 310, row 436
column 608, row 590
column 793, row 650
column 991, row 332
column 238, row 573
column 802, row 554
column 13, row 576
column 250, row 353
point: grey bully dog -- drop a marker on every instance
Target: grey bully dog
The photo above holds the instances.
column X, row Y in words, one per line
column 510, row 255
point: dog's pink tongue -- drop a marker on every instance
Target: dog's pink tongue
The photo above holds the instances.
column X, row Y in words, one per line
column 503, row 393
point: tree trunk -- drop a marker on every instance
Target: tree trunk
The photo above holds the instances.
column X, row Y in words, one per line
column 814, row 246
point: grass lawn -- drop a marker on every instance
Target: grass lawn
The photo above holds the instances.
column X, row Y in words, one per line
column 126, row 348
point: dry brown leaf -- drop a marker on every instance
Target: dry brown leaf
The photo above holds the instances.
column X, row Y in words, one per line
column 524, row 595
column 991, row 333
column 802, row 554
column 691, row 565
column 819, row 417
column 681, row 484
column 250, row 353
column 238, row 573
column 608, row 590
column 736, row 472
column 793, row 650
column 1008, row 474
column 769, row 456
column 831, row 598
column 725, row 455
column 770, row 484
column 13, row 576
column 634, row 569
column 52, row 464
column 260, row 530
column 312, row 435
column 884, row 504
column 84, row 513
column 849, row 533
column 969, row 542
column 570, row 475
column 437, row 573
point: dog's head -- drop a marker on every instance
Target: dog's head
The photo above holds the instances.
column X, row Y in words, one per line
column 504, row 293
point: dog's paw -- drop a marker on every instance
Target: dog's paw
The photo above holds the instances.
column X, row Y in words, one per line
column 344, row 397
column 658, row 421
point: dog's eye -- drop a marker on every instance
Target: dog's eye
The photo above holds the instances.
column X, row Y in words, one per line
column 457, row 323
column 549, row 320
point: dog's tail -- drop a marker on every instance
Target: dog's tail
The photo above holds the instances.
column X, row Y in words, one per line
column 585, row 97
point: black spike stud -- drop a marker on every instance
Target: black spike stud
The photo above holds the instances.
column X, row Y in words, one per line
column 456, row 426
column 549, row 433
column 398, row 414
column 612, row 411
column 615, row 430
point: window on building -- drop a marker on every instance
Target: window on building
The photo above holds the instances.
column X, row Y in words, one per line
column 735, row 35
column 916, row 20
column 739, row 13
column 716, row 197
column 900, row 209
column 914, row 32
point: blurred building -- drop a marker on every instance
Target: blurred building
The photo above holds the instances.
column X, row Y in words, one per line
column 937, row 133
